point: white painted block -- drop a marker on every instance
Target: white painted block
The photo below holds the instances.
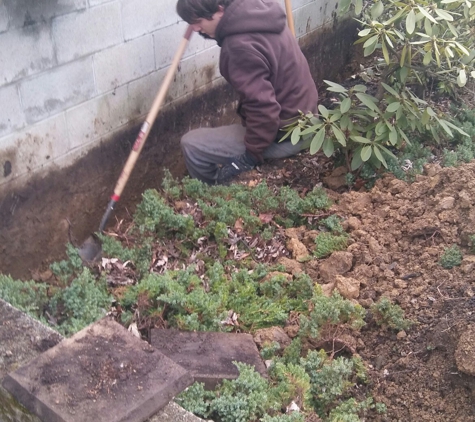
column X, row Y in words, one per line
column 196, row 72
column 57, row 90
column 24, row 13
column 314, row 15
column 24, row 52
column 98, row 2
column 123, row 63
column 3, row 17
column 11, row 114
column 82, row 33
column 143, row 91
column 36, row 146
column 167, row 40
column 145, row 16
column 97, row 117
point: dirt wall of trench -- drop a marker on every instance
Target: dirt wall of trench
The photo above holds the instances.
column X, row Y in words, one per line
column 39, row 217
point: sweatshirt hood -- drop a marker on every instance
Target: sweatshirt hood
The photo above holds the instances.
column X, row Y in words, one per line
column 248, row 16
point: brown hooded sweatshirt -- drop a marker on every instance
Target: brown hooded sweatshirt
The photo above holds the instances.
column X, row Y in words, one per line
column 263, row 62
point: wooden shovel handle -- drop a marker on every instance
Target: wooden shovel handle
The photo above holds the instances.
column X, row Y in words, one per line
column 152, row 115
column 290, row 17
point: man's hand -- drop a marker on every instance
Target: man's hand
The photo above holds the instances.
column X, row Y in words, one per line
column 236, row 165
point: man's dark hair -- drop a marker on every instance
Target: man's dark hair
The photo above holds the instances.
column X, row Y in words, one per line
column 191, row 10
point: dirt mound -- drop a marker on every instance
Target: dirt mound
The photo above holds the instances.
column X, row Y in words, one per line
column 400, row 232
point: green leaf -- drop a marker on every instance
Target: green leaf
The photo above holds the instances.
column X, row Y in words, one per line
column 380, row 128
column 391, row 108
column 370, row 41
column 360, row 139
column 390, row 89
column 334, row 87
column 367, row 101
column 462, row 78
column 289, row 132
column 366, row 152
column 404, row 136
column 452, row 29
column 364, row 32
column 427, row 58
column 377, row 10
column 385, row 52
column 444, row 15
column 317, row 141
column 323, row 111
column 328, row 147
column 425, row 117
column 444, row 126
column 358, row 6
column 339, row 135
column 462, row 48
column 311, row 129
column 387, row 151
column 379, row 155
column 295, row 137
column 411, row 22
column 427, row 26
column 360, row 88
column 393, row 137
column 356, row 162
column 456, row 128
column 472, row 73
column 345, row 105
column 426, row 14
column 403, row 56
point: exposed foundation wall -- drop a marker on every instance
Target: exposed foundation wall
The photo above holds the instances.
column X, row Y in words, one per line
column 74, row 73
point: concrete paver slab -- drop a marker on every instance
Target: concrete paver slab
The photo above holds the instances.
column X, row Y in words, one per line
column 103, row 373
column 208, row 356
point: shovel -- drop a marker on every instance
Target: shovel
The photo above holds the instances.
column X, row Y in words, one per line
column 91, row 249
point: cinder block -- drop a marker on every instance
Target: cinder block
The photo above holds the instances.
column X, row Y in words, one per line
column 123, row 63
column 24, row 52
column 145, row 16
column 36, row 146
column 57, row 90
column 167, row 40
column 82, row 33
column 11, row 114
column 24, row 13
column 3, row 18
column 209, row 356
column 314, row 15
column 143, row 91
column 196, row 72
column 97, row 117
column 98, row 2
column 103, row 373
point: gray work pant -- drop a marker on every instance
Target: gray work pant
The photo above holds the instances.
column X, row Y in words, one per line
column 205, row 148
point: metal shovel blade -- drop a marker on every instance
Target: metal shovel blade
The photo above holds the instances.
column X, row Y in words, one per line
column 91, row 250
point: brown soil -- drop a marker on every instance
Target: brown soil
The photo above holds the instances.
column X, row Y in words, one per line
column 399, row 232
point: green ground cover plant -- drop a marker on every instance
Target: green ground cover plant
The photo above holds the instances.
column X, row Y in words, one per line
column 389, row 314
column 452, row 257
column 212, row 290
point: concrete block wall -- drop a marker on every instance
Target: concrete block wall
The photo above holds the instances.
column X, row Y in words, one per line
column 74, row 72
